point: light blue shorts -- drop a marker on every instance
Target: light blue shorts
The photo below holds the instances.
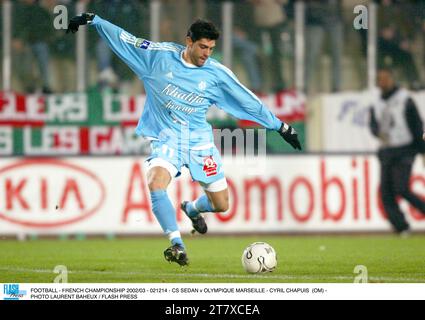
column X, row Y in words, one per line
column 204, row 163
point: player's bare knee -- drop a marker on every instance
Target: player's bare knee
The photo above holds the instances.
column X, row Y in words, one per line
column 156, row 184
column 158, row 180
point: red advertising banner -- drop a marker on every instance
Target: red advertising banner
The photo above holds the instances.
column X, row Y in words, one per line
column 93, row 124
column 102, row 195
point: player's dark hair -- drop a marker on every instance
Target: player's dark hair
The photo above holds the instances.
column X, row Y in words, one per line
column 203, row 29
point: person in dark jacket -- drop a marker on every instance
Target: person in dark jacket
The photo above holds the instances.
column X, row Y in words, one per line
column 31, row 44
column 324, row 19
column 395, row 120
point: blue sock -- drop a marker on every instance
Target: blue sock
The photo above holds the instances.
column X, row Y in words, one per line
column 202, row 204
column 166, row 216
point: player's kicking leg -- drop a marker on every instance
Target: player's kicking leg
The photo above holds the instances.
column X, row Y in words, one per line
column 158, row 181
column 211, row 201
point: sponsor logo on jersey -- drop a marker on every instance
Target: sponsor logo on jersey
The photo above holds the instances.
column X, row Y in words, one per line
column 172, row 106
column 142, row 43
column 176, row 92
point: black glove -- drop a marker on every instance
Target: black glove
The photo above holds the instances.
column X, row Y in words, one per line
column 290, row 135
column 78, row 21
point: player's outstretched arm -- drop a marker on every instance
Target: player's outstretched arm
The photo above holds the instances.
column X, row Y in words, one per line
column 135, row 52
column 240, row 102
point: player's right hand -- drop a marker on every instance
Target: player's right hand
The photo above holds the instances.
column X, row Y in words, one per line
column 290, row 135
column 78, row 21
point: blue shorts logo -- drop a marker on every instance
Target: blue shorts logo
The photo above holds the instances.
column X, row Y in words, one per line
column 12, row 292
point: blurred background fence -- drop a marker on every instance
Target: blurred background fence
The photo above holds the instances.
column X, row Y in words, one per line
column 290, row 53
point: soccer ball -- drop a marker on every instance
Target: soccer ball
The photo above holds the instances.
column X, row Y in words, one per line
column 259, row 257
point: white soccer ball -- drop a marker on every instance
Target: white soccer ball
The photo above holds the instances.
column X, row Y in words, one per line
column 259, row 257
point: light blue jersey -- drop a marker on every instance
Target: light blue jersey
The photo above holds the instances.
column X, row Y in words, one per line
column 179, row 94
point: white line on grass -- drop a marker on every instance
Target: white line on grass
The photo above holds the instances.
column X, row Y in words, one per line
column 219, row 276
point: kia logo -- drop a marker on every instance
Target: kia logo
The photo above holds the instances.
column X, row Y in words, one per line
column 47, row 193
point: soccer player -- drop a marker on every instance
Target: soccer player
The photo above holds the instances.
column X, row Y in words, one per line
column 181, row 83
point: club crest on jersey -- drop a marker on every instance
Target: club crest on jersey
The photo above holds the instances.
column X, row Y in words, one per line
column 202, row 85
column 210, row 166
column 142, row 43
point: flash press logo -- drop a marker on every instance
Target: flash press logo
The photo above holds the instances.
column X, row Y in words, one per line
column 12, row 292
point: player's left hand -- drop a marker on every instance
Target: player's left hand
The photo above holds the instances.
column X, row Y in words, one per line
column 290, row 135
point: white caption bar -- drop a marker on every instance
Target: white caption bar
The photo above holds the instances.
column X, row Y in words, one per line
column 219, row 291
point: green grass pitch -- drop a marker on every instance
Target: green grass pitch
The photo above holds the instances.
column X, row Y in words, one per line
column 216, row 259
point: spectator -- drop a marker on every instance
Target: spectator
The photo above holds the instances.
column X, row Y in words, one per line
column 31, row 42
column 175, row 15
column 126, row 13
column 246, row 48
column 248, row 51
column 62, row 51
column 324, row 17
column 269, row 17
column 394, row 41
column 418, row 13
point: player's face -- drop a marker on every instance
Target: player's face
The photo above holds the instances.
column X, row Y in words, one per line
column 199, row 51
column 385, row 80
